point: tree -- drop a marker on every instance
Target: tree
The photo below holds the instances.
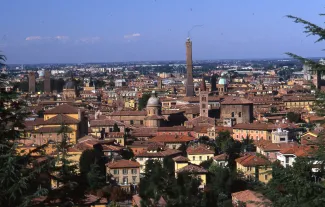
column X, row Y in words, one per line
column 127, row 153
column 19, row 174
column 116, row 128
column 143, row 101
column 95, row 178
column 293, row 117
column 273, row 109
column 71, row 186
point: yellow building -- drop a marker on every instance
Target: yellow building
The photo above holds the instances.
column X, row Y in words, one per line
column 299, row 102
column 199, row 153
column 51, row 127
column 132, row 104
column 254, row 167
column 182, row 166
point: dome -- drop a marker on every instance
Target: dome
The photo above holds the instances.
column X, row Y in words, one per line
column 153, row 100
column 222, row 81
column 69, row 85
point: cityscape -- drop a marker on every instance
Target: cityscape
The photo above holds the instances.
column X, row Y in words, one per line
column 187, row 131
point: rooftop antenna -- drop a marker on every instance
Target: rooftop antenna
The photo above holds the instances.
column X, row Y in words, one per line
column 193, row 27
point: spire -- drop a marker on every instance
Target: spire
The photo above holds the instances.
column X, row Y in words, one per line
column 203, row 86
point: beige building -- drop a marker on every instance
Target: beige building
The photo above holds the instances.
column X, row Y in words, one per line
column 199, row 153
column 239, row 109
column 125, row 172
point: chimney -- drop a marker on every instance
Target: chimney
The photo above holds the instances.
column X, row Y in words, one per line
column 79, row 115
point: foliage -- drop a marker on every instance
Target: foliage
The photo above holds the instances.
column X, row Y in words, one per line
column 20, row 176
column 95, row 177
column 116, row 128
column 319, row 104
column 143, row 101
column 206, row 164
column 293, row 117
column 127, row 153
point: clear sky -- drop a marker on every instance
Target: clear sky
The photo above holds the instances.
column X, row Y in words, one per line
column 65, row 31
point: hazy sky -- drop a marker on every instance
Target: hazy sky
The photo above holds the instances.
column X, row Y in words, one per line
column 59, row 31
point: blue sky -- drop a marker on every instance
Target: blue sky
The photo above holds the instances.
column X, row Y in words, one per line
column 60, row 31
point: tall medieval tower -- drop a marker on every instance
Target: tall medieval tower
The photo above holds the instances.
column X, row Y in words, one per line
column 189, row 69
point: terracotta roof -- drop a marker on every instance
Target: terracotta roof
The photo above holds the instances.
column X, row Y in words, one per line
column 221, row 157
column 263, row 126
column 128, row 113
column 62, row 109
column 299, row 151
column 144, row 132
column 171, row 139
column 252, row 161
column 105, row 122
column 60, row 119
column 112, row 148
column 267, row 145
column 193, row 169
column 123, row 164
column 173, row 128
column 163, row 153
column 199, row 149
column 232, row 100
column 154, row 117
column 51, row 130
column 201, row 120
column 181, row 159
column 250, row 198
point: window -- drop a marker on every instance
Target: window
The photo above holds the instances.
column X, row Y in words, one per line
column 125, row 171
column 239, row 114
column 204, row 98
column 265, row 177
column 203, row 106
column 193, row 158
column 125, row 180
column 131, row 122
column 232, row 114
column 200, row 157
column 134, row 178
column 174, row 146
column 141, row 122
column 208, row 157
column 134, row 171
column 116, row 172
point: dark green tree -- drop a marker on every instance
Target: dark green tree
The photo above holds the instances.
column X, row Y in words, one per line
column 143, row 101
column 127, row 153
column 294, row 117
column 95, row 178
column 116, row 128
column 19, row 174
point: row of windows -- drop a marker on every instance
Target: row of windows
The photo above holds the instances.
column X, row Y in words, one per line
column 200, row 158
column 252, row 131
column 125, row 180
column 124, row 171
column 233, row 114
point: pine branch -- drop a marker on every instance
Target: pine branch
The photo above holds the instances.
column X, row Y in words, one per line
column 310, row 28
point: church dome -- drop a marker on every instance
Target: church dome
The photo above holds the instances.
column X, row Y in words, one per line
column 222, row 81
column 153, row 100
column 69, row 85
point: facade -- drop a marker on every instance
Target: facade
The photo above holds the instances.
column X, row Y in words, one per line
column 189, row 69
column 255, row 167
column 69, row 90
column 124, row 172
column 237, row 108
column 172, row 141
column 204, row 106
column 47, row 81
column 199, row 153
column 31, row 82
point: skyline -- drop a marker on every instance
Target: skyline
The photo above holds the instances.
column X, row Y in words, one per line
column 116, row 31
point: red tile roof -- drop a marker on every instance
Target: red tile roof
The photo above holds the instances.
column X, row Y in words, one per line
column 60, row 119
column 62, row 109
column 232, row 100
column 199, row 149
column 128, row 113
column 105, row 122
column 51, row 130
column 163, row 153
column 123, row 164
column 181, row 159
column 192, row 169
column 253, row 161
column 250, row 198
column 171, row 139
column 221, row 157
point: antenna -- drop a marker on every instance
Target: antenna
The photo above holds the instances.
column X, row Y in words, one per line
column 194, row 26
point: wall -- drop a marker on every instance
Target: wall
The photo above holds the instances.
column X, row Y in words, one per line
column 197, row 159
